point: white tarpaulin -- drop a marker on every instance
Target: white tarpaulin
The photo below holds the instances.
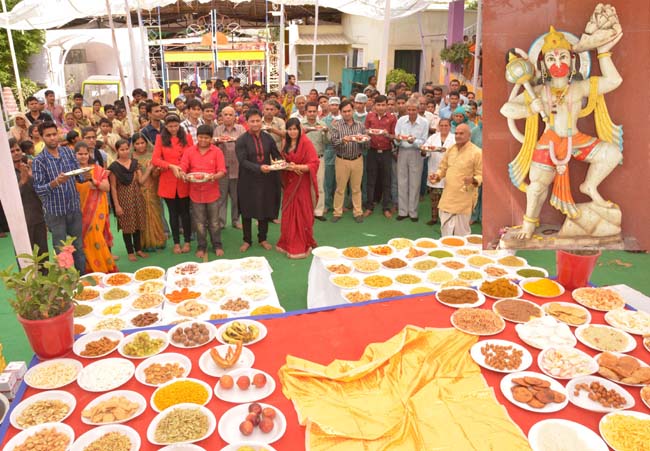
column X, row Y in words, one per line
column 45, row 14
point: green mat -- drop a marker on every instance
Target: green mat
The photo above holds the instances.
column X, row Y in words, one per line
column 290, row 276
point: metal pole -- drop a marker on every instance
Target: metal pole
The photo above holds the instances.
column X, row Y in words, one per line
column 281, row 52
column 477, row 47
column 129, row 25
column 313, row 56
column 19, row 86
column 162, row 59
column 383, row 63
column 144, row 37
column 119, row 65
column 267, row 67
column 215, row 54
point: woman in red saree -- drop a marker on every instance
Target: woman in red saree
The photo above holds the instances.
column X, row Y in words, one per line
column 300, row 193
column 97, row 237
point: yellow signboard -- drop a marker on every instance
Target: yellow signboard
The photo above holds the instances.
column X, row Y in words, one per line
column 205, row 56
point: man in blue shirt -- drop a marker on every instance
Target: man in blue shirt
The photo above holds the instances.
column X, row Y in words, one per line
column 58, row 191
column 447, row 110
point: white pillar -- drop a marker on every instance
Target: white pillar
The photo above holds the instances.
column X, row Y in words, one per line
column 281, row 52
column 19, row 86
column 144, row 38
column 383, row 62
column 313, row 56
column 477, row 47
column 135, row 70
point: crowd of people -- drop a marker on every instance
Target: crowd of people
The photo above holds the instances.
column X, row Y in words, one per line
column 274, row 157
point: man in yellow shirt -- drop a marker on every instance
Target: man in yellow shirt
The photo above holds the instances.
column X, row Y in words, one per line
column 462, row 169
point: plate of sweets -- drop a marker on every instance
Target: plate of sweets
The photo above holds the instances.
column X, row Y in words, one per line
column 501, row 288
column 48, row 433
column 199, row 177
column 563, row 362
column 244, row 385
column 625, row 430
column 555, row 434
column 623, row 369
column 425, row 148
column 257, row 422
column 376, row 131
column 568, row 312
column 635, row 322
column 601, row 299
column 502, row 356
column 605, row 338
column 477, row 321
column 534, row 392
column 597, row 394
column 359, row 138
column 404, row 137
column 542, row 287
column 225, row 139
column 278, row 165
column 517, row 310
column 222, row 359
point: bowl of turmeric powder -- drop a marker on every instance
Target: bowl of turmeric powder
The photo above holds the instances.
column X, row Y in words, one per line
column 542, row 287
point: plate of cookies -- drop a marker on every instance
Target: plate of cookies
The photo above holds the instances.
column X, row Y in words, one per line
column 534, row 392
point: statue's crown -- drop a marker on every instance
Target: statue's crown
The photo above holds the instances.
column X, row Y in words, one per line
column 555, row 40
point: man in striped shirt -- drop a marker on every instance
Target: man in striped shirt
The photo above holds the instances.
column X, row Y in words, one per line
column 349, row 164
column 193, row 113
column 58, row 191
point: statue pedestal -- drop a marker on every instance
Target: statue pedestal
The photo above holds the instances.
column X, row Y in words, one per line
column 548, row 237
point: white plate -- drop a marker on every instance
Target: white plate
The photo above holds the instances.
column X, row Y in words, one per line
column 86, row 439
column 149, row 267
column 393, row 251
column 582, row 399
column 85, row 382
column 257, row 446
column 618, row 354
column 207, row 365
column 536, row 268
column 513, row 268
column 494, row 309
column 646, row 343
column 507, row 384
column 591, row 366
column 212, row 422
column 161, row 298
column 452, row 319
column 326, row 252
column 480, row 301
column 182, row 447
column 387, row 287
column 469, row 243
column 647, row 389
column 108, row 276
column 153, row 334
column 520, row 293
column 81, row 343
column 631, row 413
column 569, row 304
column 230, row 421
column 575, row 294
column 442, row 243
column 533, row 279
column 78, row 171
column 158, row 311
column 198, row 381
column 4, row 402
column 477, row 355
column 631, row 342
column 255, row 292
column 589, row 440
column 132, row 396
column 198, row 177
column 236, row 395
column 402, row 243
column 611, row 320
column 162, row 359
column 442, row 265
column 254, row 264
column 125, row 307
column 20, row 438
column 260, row 337
column 212, row 332
column 530, row 334
column 72, row 362
column 58, row 395
column 346, row 263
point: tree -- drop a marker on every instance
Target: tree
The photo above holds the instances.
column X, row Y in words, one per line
column 26, row 44
column 400, row 75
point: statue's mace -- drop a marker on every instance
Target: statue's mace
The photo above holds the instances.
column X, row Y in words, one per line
column 520, row 71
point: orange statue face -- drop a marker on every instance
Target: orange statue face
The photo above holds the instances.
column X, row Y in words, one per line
column 558, row 62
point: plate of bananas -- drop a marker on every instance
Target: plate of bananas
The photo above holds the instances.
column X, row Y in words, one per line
column 247, row 331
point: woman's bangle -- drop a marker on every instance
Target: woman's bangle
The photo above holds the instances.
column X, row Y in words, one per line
column 604, row 55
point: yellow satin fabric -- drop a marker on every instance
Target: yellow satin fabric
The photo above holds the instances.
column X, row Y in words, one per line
column 420, row 390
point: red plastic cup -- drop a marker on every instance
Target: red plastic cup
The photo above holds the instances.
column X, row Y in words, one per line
column 573, row 270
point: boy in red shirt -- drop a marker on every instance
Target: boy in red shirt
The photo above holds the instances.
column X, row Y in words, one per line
column 204, row 165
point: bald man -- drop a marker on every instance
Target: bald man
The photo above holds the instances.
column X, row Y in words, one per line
column 225, row 136
column 462, row 169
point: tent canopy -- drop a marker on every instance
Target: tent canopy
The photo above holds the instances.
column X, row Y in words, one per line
column 46, row 14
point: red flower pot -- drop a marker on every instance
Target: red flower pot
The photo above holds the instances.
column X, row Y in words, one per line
column 574, row 270
column 52, row 337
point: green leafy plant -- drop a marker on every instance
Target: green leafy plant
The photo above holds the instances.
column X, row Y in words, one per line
column 400, row 75
column 44, row 288
column 28, row 86
column 456, row 53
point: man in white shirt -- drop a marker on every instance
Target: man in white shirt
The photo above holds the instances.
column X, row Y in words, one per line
column 301, row 103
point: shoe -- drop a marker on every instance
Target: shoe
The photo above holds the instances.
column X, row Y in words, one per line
column 321, row 218
column 388, row 214
column 276, row 221
column 358, row 219
column 336, row 218
column 415, row 219
column 401, row 218
column 432, row 222
column 367, row 213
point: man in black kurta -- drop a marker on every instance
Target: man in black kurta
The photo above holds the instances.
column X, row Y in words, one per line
column 259, row 188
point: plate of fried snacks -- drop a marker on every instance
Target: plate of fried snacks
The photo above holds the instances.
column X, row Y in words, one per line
column 52, row 406
column 568, row 313
column 182, row 423
column 635, row 322
column 381, row 250
column 162, row 368
column 623, row 369
column 221, row 359
column 118, row 406
column 501, row 288
column 555, row 434
column 114, row 437
column 460, row 297
column 476, row 321
column 354, row 253
column 605, row 338
column 345, row 281
column 502, row 356
column 97, row 344
column 645, row 395
column 545, row 332
column 517, row 310
column 565, row 363
column 598, row 394
column 54, row 436
column 402, row 243
column 366, row 265
column 534, row 392
column 51, row 374
column 646, row 343
column 625, row 430
column 338, row 268
column 601, row 299
column 355, row 296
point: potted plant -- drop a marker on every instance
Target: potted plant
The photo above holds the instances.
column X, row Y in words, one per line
column 44, row 299
column 456, row 53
